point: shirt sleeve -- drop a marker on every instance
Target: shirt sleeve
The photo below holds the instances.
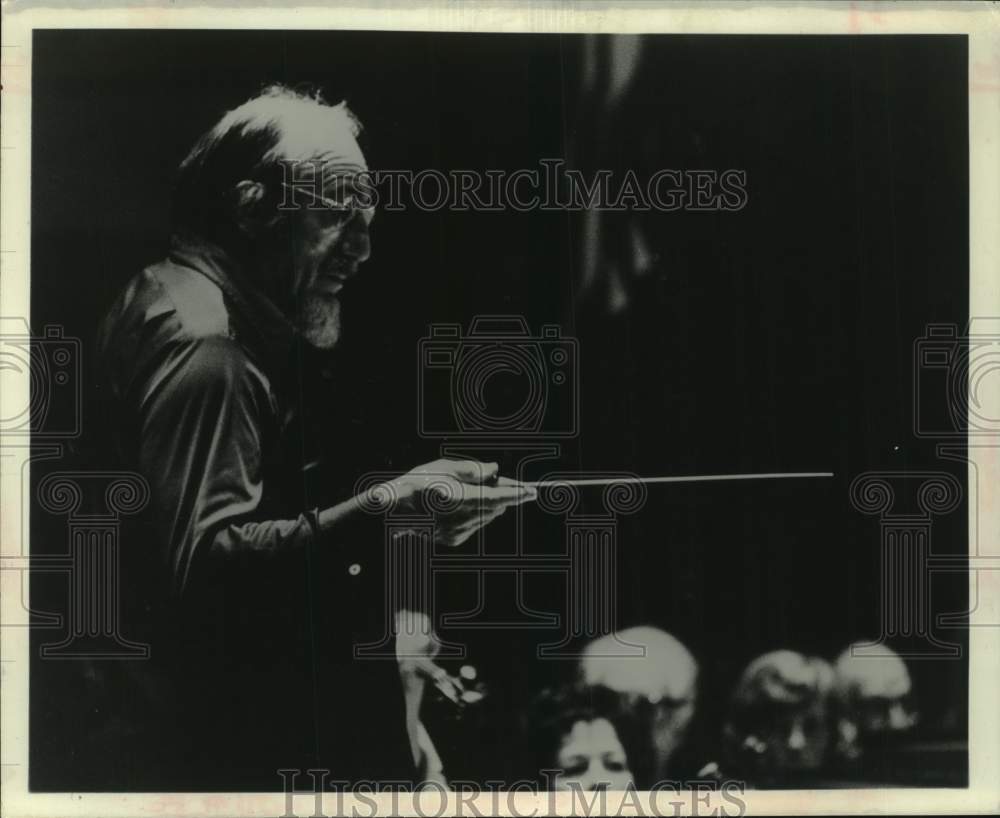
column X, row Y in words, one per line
column 201, row 413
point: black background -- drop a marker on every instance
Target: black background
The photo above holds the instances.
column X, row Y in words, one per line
column 776, row 338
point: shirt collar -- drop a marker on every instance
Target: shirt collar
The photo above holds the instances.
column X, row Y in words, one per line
column 260, row 317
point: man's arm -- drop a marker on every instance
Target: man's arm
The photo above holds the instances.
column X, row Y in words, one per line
column 203, row 412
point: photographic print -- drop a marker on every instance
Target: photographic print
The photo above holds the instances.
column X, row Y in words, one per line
column 565, row 414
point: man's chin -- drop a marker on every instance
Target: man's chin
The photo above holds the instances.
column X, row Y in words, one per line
column 319, row 321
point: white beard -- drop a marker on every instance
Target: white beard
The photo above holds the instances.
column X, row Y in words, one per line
column 319, row 320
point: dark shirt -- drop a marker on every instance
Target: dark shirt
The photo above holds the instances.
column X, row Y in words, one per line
column 253, row 611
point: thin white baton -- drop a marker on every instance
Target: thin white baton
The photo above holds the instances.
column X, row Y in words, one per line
column 693, row 478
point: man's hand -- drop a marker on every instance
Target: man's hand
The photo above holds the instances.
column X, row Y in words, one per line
column 462, row 495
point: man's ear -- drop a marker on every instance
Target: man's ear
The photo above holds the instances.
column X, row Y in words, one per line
column 252, row 210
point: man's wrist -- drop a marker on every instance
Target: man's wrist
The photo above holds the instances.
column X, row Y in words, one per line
column 352, row 521
column 362, row 518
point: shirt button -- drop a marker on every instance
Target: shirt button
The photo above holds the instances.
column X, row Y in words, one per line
column 354, row 569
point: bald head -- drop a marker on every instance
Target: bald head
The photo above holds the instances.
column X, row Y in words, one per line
column 872, row 690
column 871, row 671
column 656, row 677
column 277, row 137
column 642, row 661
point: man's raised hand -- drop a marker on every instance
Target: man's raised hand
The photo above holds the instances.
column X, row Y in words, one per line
column 462, row 495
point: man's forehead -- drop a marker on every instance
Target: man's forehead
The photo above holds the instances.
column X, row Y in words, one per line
column 322, row 141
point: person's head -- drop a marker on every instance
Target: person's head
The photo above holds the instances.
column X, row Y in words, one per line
column 657, row 678
column 778, row 720
column 872, row 691
column 577, row 736
column 277, row 183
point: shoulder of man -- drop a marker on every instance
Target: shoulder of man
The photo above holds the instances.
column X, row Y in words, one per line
column 190, row 304
column 164, row 305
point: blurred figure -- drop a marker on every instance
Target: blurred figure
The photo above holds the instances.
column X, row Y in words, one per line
column 614, row 249
column 416, row 647
column 778, row 721
column 451, row 712
column 578, row 739
column 656, row 677
column 871, row 692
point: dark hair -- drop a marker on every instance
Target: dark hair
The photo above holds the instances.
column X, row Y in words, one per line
column 554, row 711
column 248, row 142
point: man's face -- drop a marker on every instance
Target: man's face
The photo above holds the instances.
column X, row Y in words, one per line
column 878, row 715
column 671, row 720
column 329, row 240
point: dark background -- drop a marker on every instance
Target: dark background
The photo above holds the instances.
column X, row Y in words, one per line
column 776, row 338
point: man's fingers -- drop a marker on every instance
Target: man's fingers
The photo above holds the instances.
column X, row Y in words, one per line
column 510, row 492
column 455, row 539
column 490, row 516
column 531, row 492
column 457, row 533
column 470, row 471
column 477, row 518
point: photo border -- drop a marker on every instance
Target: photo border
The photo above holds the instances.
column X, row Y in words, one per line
column 979, row 21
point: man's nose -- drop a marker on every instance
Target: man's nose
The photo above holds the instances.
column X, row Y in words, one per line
column 796, row 739
column 357, row 242
column 899, row 719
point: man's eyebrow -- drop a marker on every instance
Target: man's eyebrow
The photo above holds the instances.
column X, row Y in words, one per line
column 345, row 181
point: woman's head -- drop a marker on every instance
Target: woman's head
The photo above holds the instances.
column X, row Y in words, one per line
column 778, row 720
column 580, row 738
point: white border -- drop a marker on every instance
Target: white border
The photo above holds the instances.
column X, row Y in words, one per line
column 980, row 21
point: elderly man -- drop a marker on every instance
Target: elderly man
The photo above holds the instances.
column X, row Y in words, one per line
column 872, row 694
column 258, row 593
column 657, row 677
